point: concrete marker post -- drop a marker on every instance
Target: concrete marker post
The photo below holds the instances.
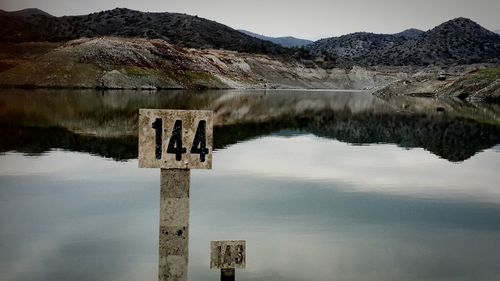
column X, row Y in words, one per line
column 174, row 225
column 228, row 256
column 175, row 141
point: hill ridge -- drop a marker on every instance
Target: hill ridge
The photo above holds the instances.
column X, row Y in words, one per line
column 457, row 41
column 27, row 12
column 181, row 29
column 285, row 41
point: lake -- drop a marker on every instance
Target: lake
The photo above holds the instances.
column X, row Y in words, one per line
column 322, row 185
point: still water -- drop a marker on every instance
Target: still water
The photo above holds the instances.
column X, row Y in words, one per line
column 322, row 186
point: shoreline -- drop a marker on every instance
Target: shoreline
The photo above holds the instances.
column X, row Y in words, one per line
column 111, row 63
column 155, row 89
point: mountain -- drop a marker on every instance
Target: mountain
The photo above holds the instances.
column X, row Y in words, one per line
column 497, row 31
column 459, row 41
column 456, row 41
column 287, row 41
column 180, row 29
column 26, row 13
column 355, row 48
column 410, row 33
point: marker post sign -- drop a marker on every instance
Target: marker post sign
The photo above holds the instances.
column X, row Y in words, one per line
column 228, row 256
column 175, row 141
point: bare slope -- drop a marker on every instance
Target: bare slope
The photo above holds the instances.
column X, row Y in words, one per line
column 111, row 62
column 478, row 84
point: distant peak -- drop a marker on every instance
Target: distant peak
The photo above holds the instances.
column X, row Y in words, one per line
column 460, row 27
column 118, row 10
column 122, row 9
column 410, row 33
column 29, row 12
column 412, row 30
column 460, row 21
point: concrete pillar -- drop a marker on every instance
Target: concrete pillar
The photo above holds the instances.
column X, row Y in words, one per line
column 227, row 274
column 174, row 224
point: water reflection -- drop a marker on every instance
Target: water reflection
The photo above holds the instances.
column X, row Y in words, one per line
column 105, row 123
column 286, row 177
column 72, row 216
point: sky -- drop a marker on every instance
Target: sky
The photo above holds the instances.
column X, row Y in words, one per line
column 312, row 19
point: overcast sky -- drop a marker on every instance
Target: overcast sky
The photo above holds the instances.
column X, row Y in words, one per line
column 312, row 19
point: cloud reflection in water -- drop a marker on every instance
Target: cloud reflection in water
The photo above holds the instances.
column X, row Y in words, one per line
column 309, row 208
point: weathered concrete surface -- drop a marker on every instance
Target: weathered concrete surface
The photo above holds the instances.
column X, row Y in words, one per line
column 227, row 254
column 190, row 121
column 171, row 214
column 174, row 225
column 181, row 189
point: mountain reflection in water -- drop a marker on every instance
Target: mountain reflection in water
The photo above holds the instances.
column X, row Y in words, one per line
column 105, row 123
column 286, row 178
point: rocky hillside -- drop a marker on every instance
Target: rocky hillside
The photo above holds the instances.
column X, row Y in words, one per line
column 180, row 29
column 287, row 41
column 125, row 63
column 458, row 41
column 355, row 48
column 477, row 84
column 411, row 33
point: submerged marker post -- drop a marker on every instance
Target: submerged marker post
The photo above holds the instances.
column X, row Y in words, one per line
column 174, row 225
column 228, row 256
column 175, row 141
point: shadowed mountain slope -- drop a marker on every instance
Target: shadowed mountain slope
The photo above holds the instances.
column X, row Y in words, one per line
column 180, row 29
column 458, row 41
